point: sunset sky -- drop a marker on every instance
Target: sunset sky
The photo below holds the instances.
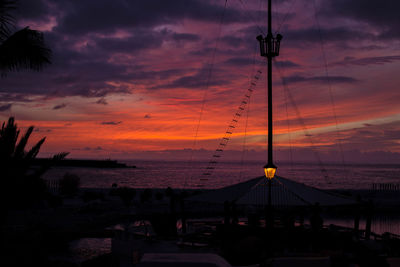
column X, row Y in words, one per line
column 129, row 77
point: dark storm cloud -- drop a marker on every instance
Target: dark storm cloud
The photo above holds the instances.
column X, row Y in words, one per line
column 5, row 107
column 140, row 41
column 201, row 79
column 108, row 16
column 60, row 106
column 368, row 60
column 314, row 35
column 13, row 97
column 319, row 79
column 111, row 122
column 37, row 9
column 383, row 14
column 82, row 45
column 84, row 78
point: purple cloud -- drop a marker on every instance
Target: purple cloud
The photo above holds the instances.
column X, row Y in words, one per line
column 111, row 122
column 5, row 107
column 60, row 106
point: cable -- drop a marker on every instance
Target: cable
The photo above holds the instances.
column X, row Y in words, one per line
column 286, row 16
column 301, row 121
column 288, row 129
column 251, row 17
column 206, row 90
column 329, row 84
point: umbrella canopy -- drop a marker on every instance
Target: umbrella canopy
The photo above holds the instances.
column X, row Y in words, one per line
column 284, row 192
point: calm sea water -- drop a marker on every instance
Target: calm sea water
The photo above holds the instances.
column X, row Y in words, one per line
column 178, row 174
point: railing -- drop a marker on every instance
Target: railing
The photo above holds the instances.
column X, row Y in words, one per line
column 53, row 186
column 385, row 187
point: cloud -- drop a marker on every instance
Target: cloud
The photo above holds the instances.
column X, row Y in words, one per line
column 240, row 61
column 368, row 60
column 5, row 107
column 380, row 14
column 60, row 106
column 108, row 16
column 87, row 148
column 200, row 79
column 111, row 122
column 14, row 97
column 102, row 101
column 40, row 130
column 313, row 35
column 319, row 79
column 286, row 64
column 186, row 37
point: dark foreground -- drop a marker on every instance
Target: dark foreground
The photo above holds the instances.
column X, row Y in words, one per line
column 40, row 236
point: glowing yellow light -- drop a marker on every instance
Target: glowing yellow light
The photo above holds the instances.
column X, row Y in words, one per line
column 270, row 170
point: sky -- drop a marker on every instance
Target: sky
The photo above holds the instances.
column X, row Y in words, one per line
column 161, row 79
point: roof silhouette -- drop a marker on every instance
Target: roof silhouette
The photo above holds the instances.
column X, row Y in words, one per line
column 284, row 192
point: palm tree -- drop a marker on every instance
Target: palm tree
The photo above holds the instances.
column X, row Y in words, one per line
column 23, row 49
column 20, row 180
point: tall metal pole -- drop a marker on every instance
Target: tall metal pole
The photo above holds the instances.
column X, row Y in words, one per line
column 269, row 39
column 269, row 48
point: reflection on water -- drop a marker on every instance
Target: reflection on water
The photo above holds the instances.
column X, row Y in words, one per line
column 162, row 174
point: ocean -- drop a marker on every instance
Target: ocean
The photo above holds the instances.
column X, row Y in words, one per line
column 179, row 174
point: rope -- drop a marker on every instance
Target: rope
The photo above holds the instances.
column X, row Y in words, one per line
column 329, row 83
column 206, row 90
column 231, row 127
column 286, row 16
column 301, row 121
column 251, row 17
column 244, row 141
column 288, row 129
column 247, row 119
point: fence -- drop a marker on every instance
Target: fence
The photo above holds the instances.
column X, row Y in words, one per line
column 386, row 186
column 53, row 186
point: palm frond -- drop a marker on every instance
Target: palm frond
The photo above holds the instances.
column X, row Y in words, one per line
column 35, row 150
column 8, row 139
column 25, row 49
column 45, row 167
column 7, row 20
column 20, row 148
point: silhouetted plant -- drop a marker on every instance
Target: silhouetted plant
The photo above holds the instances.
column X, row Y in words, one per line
column 20, row 180
column 23, row 49
column 69, row 184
